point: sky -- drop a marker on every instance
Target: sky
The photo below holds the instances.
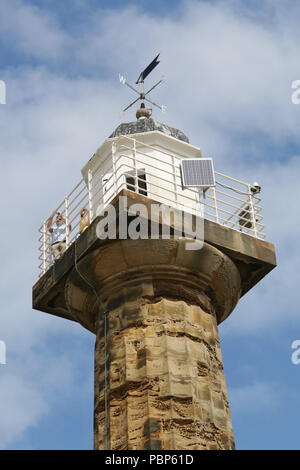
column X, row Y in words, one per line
column 229, row 68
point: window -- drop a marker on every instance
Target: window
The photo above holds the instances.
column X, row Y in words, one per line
column 141, row 183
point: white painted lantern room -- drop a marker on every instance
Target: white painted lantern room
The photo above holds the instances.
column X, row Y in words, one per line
column 147, row 163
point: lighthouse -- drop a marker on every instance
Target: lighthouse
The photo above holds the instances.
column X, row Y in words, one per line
column 156, row 247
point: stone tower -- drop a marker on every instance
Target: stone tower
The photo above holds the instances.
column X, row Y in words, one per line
column 153, row 305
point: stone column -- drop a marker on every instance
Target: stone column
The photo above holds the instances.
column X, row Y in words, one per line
column 166, row 384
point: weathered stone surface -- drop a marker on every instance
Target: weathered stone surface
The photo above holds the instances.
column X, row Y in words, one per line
column 166, row 384
column 152, row 268
column 148, row 125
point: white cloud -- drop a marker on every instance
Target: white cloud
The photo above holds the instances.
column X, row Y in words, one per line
column 31, row 31
column 21, row 406
column 222, row 68
column 32, row 384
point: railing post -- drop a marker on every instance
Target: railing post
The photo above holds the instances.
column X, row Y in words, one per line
column 136, row 181
column 213, row 190
column 67, row 222
column 200, row 195
column 175, row 183
column 44, row 248
column 252, row 211
column 90, row 188
column 113, row 153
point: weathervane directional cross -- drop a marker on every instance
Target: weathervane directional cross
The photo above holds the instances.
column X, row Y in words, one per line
column 142, row 94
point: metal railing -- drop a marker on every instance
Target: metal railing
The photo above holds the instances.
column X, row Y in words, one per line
column 155, row 173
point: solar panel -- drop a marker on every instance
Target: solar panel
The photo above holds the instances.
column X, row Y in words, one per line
column 197, row 172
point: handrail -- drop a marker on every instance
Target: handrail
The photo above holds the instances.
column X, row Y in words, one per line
column 163, row 182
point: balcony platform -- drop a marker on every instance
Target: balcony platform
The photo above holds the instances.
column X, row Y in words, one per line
column 254, row 257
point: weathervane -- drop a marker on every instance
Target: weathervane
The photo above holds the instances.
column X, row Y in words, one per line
column 143, row 112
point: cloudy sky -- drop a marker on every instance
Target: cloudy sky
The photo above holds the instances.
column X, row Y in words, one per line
column 229, row 69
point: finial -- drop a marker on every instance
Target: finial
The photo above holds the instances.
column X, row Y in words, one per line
column 143, row 112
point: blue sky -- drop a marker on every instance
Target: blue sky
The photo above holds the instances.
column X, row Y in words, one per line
column 229, row 68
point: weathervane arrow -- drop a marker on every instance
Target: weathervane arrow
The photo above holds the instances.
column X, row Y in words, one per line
column 148, row 70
